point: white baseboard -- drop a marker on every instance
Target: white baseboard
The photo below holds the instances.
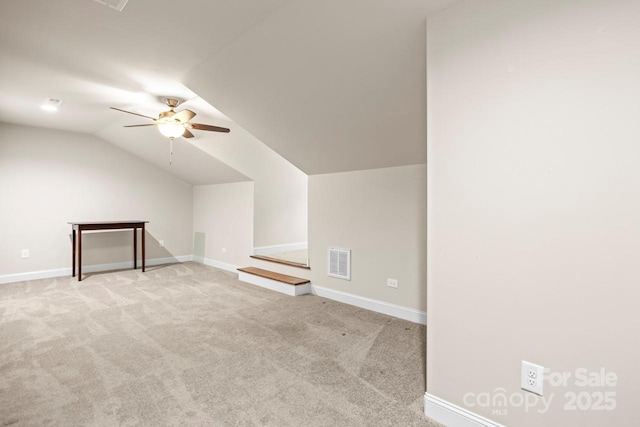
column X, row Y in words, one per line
column 412, row 315
column 61, row 272
column 35, row 275
column 274, row 285
column 266, row 250
column 453, row 415
column 217, row 264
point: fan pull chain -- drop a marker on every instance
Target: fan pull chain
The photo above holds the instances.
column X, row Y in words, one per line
column 170, row 150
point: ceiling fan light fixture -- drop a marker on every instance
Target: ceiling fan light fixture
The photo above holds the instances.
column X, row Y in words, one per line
column 171, row 130
column 172, row 124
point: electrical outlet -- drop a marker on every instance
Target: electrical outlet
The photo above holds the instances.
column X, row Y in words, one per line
column 161, row 243
column 224, row 250
column 531, row 377
column 392, row 283
column 25, row 253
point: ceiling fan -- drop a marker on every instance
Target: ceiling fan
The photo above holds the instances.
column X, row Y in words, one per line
column 174, row 124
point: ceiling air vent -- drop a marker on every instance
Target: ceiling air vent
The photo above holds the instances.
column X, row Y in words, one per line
column 113, row 4
column 340, row 263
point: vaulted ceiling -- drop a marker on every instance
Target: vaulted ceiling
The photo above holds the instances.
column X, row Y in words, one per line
column 330, row 85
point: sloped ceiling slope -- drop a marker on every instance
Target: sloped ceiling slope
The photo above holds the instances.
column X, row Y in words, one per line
column 189, row 162
column 330, row 85
column 94, row 57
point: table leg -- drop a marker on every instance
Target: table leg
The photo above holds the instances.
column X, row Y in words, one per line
column 79, row 254
column 143, row 247
column 73, row 252
column 135, row 248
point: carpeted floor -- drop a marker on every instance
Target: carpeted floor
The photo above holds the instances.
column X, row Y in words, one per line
column 188, row 344
column 300, row 256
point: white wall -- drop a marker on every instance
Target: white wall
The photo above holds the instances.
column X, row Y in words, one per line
column 50, row 177
column 534, row 207
column 280, row 191
column 224, row 213
column 380, row 214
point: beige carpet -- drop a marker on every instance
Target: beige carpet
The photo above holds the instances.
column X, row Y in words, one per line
column 188, row 344
column 299, row 256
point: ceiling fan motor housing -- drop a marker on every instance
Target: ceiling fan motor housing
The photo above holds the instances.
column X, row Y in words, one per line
column 166, row 114
column 172, row 102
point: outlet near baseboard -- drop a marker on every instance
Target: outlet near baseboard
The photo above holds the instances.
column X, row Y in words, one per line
column 531, row 378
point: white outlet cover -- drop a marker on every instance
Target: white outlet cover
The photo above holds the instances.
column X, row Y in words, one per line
column 25, row 253
column 532, row 377
column 392, row 283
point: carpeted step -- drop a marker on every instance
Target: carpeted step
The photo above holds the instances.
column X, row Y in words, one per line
column 278, row 282
column 281, row 261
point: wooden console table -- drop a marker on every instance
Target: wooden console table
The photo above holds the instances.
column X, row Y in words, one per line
column 105, row 225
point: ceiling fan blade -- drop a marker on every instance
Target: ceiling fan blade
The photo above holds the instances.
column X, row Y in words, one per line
column 187, row 134
column 199, row 126
column 137, row 126
column 130, row 112
column 184, row 115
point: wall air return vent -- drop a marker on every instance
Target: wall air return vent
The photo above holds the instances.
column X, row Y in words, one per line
column 113, row 4
column 340, row 263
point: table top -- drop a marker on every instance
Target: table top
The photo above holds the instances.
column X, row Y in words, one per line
column 106, row 222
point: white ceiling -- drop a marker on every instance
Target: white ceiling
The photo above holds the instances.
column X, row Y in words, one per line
column 330, row 85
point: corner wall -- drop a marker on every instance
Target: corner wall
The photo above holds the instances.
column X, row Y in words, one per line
column 223, row 213
column 380, row 214
column 280, row 188
column 50, row 177
column 534, row 207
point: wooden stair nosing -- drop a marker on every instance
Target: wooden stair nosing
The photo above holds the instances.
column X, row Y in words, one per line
column 289, row 280
column 280, row 261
